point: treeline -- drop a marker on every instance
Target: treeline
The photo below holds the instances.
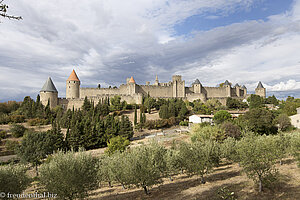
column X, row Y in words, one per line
column 148, row 165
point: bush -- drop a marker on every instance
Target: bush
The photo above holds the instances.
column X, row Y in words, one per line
column 17, row 130
column 70, row 175
column 184, row 123
column 13, row 179
column 37, row 121
column 3, row 134
column 205, row 133
column 117, row 143
column 283, row 121
column 11, row 145
column 231, row 130
column 17, row 118
column 222, row 116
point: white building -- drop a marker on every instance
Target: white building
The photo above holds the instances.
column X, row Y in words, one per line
column 196, row 119
column 295, row 119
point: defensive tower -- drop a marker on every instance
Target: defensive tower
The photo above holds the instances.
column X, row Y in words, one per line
column 49, row 94
column 260, row 90
column 73, row 86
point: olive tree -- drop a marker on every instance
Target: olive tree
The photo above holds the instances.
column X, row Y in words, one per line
column 147, row 165
column 173, row 163
column 70, row 175
column 295, row 146
column 115, row 167
column 199, row 158
column 13, row 179
column 257, row 155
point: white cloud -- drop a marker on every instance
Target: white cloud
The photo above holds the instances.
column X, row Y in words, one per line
column 285, row 86
column 107, row 41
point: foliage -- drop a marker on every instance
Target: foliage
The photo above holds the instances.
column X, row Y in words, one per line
column 283, row 121
column 184, row 123
column 117, row 143
column 35, row 146
column 255, row 101
column 147, row 165
column 37, row 122
column 173, row 162
column 206, row 108
column 236, row 103
column 70, row 175
column 17, row 130
column 259, row 120
column 116, row 104
column 272, row 100
column 295, row 146
column 202, row 134
column 225, row 193
column 228, row 149
column 173, row 108
column 160, row 123
column 93, row 128
column 257, row 156
column 289, row 106
column 11, row 145
column 199, row 158
column 231, row 130
column 13, row 179
column 115, row 167
column 222, row 116
column 3, row 134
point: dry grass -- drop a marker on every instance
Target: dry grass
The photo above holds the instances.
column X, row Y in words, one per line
column 227, row 175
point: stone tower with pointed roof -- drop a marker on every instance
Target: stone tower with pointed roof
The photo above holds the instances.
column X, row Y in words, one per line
column 197, row 86
column 73, row 86
column 49, row 94
column 260, row 90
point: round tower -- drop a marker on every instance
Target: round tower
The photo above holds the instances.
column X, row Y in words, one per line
column 131, row 86
column 73, row 86
column 49, row 94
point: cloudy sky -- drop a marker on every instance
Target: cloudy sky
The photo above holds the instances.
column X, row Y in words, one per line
column 105, row 41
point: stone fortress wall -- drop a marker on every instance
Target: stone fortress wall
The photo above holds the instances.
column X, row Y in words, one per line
column 133, row 93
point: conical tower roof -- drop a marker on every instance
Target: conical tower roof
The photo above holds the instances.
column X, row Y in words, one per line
column 131, row 80
column 226, row 82
column 49, row 86
column 197, row 81
column 73, row 76
column 260, row 85
column 244, row 87
column 237, row 85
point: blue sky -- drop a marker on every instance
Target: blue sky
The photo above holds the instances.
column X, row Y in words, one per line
column 244, row 41
column 260, row 10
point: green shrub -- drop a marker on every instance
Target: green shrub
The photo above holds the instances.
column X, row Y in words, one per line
column 37, row 121
column 205, row 133
column 222, row 116
column 70, row 175
column 17, row 130
column 11, row 145
column 184, row 123
column 13, row 179
column 3, row 134
column 17, row 118
column 117, row 143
